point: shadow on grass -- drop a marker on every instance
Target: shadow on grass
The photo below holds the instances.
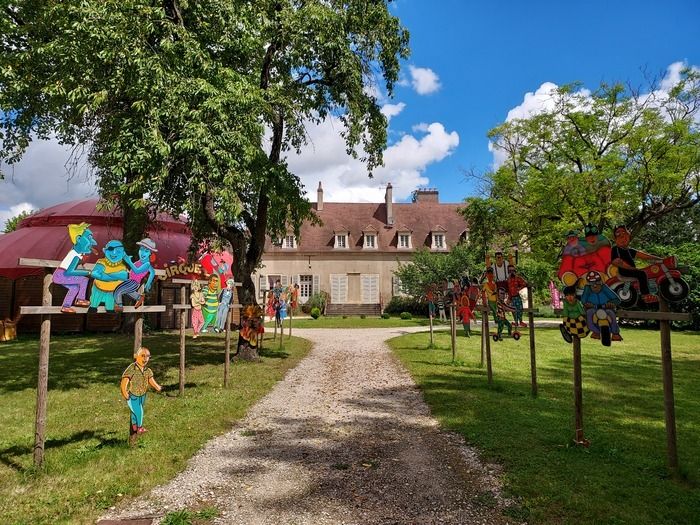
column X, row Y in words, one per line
column 76, row 361
column 8, row 456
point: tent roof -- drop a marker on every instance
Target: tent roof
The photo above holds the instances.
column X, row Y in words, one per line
column 44, row 235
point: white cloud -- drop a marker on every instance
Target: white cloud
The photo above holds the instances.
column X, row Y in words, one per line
column 345, row 179
column 424, row 80
column 45, row 176
column 391, row 110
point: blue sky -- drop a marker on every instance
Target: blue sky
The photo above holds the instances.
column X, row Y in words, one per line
column 471, row 64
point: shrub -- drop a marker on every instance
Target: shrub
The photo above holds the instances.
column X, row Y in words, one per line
column 345, row 317
column 317, row 300
column 400, row 304
column 315, row 312
column 406, row 315
column 385, row 315
column 363, row 316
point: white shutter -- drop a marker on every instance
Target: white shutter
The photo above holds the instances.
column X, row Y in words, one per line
column 316, row 285
column 262, row 285
column 370, row 288
column 295, row 280
column 395, row 285
column 284, row 280
column 339, row 288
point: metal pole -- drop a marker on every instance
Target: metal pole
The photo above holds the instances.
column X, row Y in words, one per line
column 533, row 357
column 669, row 403
column 43, row 378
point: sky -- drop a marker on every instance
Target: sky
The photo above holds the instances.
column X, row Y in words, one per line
column 473, row 65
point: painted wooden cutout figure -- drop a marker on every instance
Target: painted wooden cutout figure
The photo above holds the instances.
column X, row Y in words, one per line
column 600, row 302
column 108, row 272
column 197, row 301
column 500, row 269
column 515, row 284
column 134, row 384
column 441, row 307
column 501, row 308
column 211, row 302
column 68, row 275
column 465, row 314
column 622, row 258
column 574, row 322
column 430, row 298
column 138, row 270
column 225, row 298
column 490, row 293
column 583, row 255
column 218, row 263
column 251, row 327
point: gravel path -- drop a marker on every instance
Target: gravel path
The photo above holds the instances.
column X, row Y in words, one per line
column 345, row 438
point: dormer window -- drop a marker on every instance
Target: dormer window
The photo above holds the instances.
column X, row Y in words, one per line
column 290, row 242
column 404, row 240
column 370, row 240
column 342, row 239
column 438, row 238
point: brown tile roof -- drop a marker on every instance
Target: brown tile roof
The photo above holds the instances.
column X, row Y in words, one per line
column 418, row 217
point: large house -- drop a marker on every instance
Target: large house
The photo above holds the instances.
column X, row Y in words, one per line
column 353, row 255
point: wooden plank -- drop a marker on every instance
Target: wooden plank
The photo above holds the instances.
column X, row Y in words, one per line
column 138, row 333
column 655, row 316
column 47, row 310
column 578, row 395
column 49, row 263
column 181, row 307
column 190, row 281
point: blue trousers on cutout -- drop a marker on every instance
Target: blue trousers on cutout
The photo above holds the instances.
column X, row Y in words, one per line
column 136, row 408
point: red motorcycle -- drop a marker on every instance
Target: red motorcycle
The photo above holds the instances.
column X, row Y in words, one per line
column 665, row 280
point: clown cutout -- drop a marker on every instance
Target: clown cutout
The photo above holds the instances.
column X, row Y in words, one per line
column 211, row 302
column 600, row 302
column 108, row 272
column 500, row 269
column 68, row 275
column 515, row 284
column 575, row 323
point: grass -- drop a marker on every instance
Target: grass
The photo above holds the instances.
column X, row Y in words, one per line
column 622, row 477
column 353, row 322
column 88, row 465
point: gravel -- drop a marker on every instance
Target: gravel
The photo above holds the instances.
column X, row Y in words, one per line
column 345, row 438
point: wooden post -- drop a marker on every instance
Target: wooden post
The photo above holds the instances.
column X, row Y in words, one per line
column 453, row 331
column 533, row 357
column 430, row 319
column 484, row 336
column 578, row 395
column 669, row 403
column 291, row 316
column 489, row 371
column 43, row 378
column 138, row 332
column 227, row 349
column 183, row 326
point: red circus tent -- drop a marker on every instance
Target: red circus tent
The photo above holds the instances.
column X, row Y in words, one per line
column 44, row 235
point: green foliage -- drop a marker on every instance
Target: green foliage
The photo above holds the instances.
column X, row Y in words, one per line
column 606, row 157
column 403, row 303
column 172, row 100
column 429, row 268
column 363, row 316
column 406, row 315
column 385, row 315
column 187, row 517
column 12, row 223
column 315, row 312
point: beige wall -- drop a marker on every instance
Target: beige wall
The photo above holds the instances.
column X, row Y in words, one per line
column 324, row 264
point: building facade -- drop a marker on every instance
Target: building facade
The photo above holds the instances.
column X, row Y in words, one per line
column 353, row 255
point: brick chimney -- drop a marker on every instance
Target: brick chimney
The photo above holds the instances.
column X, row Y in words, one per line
column 426, row 195
column 389, row 199
column 319, row 197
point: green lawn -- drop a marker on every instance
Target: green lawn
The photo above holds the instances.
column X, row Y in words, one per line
column 622, row 477
column 352, row 322
column 88, row 465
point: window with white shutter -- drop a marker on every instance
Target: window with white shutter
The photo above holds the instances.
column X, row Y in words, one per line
column 339, row 288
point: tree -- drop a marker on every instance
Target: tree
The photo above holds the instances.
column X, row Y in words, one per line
column 607, row 157
column 12, row 223
column 174, row 100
